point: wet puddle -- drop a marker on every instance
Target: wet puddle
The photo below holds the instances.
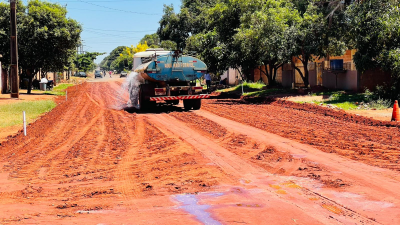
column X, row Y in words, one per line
column 190, row 203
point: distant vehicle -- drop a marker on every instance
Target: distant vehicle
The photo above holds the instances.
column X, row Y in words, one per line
column 80, row 74
column 97, row 74
column 123, row 74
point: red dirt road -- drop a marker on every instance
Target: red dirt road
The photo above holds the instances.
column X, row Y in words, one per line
column 90, row 162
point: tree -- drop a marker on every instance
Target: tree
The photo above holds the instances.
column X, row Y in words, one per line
column 190, row 20
column 85, row 62
column 375, row 32
column 174, row 26
column 266, row 34
column 168, row 45
column 108, row 60
column 125, row 60
column 46, row 37
column 152, row 40
column 5, row 29
column 216, row 42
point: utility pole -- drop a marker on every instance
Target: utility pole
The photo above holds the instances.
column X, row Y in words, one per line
column 14, row 52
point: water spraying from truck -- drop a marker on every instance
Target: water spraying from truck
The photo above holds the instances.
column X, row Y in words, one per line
column 132, row 86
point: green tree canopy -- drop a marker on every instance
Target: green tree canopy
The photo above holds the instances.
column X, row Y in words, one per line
column 85, row 62
column 266, row 34
column 46, row 37
column 5, row 29
column 375, row 32
column 152, row 40
column 108, row 60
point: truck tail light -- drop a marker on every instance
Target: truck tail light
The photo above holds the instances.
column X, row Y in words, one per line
column 198, row 89
column 160, row 91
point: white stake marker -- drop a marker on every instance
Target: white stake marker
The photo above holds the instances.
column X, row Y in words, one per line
column 24, row 118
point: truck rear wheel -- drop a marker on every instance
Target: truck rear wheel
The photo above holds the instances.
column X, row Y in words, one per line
column 187, row 104
column 145, row 103
column 196, row 103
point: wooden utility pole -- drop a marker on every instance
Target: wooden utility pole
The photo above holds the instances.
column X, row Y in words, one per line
column 14, row 52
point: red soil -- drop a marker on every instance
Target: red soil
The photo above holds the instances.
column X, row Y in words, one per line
column 90, row 162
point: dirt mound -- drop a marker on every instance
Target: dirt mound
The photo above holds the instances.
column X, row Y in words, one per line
column 356, row 137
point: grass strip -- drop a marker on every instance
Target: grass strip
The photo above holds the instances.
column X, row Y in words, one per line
column 247, row 87
column 58, row 90
column 11, row 114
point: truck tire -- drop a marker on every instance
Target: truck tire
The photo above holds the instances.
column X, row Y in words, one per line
column 187, row 104
column 145, row 103
column 196, row 103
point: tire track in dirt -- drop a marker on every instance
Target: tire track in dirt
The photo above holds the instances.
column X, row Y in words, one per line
column 124, row 171
column 41, row 150
column 77, row 138
column 241, row 170
column 37, row 140
column 376, row 184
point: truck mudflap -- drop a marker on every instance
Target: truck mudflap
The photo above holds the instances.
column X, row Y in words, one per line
column 181, row 97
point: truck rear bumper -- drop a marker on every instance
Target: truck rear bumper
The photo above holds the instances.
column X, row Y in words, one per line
column 181, row 97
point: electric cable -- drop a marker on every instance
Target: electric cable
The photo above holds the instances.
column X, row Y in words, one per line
column 127, row 11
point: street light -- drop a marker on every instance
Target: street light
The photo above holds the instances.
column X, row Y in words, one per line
column 14, row 51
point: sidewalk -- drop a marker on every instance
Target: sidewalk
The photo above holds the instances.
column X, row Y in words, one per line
column 36, row 95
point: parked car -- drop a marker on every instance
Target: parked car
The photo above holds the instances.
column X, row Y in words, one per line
column 123, row 74
column 80, row 74
column 97, row 74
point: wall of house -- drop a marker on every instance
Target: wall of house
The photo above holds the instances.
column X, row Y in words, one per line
column 312, row 77
column 258, row 75
column 345, row 81
column 287, row 78
column 232, row 76
column 371, row 78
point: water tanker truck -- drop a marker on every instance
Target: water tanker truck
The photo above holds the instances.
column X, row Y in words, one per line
column 167, row 77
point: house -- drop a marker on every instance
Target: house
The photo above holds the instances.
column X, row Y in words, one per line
column 324, row 73
column 232, row 76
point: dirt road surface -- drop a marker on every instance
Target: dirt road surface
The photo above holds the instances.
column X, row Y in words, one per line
column 93, row 161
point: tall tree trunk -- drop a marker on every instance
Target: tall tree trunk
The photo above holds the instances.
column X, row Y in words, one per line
column 271, row 81
column 268, row 75
column 306, row 72
column 276, row 70
column 241, row 73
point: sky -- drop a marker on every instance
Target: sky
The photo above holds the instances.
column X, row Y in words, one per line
column 108, row 24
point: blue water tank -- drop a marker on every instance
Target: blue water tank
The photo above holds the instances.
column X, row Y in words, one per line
column 337, row 64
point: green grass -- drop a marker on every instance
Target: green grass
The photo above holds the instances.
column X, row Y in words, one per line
column 11, row 114
column 347, row 101
column 268, row 92
column 255, row 90
column 247, row 87
column 59, row 90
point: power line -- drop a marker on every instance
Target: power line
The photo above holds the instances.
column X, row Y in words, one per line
column 95, row 32
column 150, row 14
column 122, row 31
